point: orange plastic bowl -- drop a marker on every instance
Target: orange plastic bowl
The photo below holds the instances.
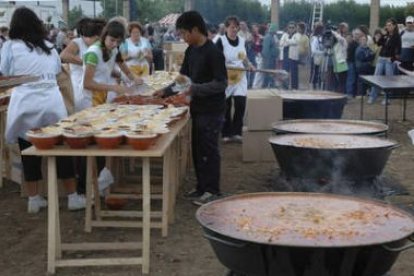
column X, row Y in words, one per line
column 78, row 141
column 115, row 203
column 43, row 141
column 141, row 141
column 108, row 140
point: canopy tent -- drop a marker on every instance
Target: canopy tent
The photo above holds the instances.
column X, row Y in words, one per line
column 169, row 19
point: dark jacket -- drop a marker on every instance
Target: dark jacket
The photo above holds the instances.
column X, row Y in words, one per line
column 391, row 46
column 363, row 60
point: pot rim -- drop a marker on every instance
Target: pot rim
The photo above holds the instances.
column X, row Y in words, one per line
column 277, row 126
column 393, row 144
column 304, row 194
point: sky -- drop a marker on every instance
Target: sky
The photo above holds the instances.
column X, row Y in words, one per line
column 383, row 2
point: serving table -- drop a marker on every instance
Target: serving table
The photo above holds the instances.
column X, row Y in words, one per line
column 164, row 148
column 389, row 84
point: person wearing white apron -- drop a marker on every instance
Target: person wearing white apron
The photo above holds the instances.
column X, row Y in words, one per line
column 234, row 50
column 36, row 104
column 136, row 51
column 98, row 64
column 89, row 31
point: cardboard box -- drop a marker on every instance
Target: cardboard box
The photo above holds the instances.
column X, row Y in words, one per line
column 256, row 147
column 175, row 46
column 264, row 107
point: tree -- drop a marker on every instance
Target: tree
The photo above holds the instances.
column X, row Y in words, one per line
column 215, row 11
column 74, row 15
column 111, row 8
column 154, row 10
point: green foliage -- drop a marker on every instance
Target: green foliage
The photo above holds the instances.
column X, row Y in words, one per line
column 111, row 8
column 154, row 10
column 74, row 15
column 215, row 11
column 296, row 12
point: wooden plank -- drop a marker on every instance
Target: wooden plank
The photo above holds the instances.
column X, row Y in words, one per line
column 135, row 189
column 99, row 262
column 146, row 218
column 129, row 214
column 52, row 217
column 166, row 190
column 123, row 224
column 127, row 193
column 97, row 246
column 88, row 211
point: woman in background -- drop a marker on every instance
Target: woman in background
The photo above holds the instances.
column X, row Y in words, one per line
column 390, row 51
column 37, row 104
column 137, row 51
column 99, row 62
column 234, row 50
column 88, row 31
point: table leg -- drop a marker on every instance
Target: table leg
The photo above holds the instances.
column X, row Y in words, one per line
column 166, row 183
column 404, row 118
column 386, row 107
column 97, row 198
column 361, row 110
column 88, row 210
column 58, row 237
column 146, row 215
column 1, row 147
column 53, row 216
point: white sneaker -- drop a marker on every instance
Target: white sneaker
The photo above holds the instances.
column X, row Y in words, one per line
column 76, row 202
column 237, row 138
column 35, row 203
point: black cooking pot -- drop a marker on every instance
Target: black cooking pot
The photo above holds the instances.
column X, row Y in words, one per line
column 331, row 157
column 239, row 248
column 313, row 105
column 323, row 126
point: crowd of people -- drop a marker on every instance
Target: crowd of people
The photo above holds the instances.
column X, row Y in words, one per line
column 105, row 58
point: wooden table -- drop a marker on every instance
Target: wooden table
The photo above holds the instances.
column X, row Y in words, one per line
column 162, row 148
column 389, row 84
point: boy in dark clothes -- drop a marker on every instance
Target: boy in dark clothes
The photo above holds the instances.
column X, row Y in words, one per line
column 204, row 64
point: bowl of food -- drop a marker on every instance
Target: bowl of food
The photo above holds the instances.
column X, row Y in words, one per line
column 109, row 139
column 141, row 140
column 115, row 203
column 78, row 140
column 42, row 139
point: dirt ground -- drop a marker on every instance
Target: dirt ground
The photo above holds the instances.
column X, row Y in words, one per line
column 184, row 252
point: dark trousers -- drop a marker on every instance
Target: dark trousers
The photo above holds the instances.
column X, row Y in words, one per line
column 233, row 126
column 206, row 152
column 32, row 165
column 81, row 170
column 291, row 66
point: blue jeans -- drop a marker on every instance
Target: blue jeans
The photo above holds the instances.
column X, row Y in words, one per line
column 351, row 88
column 384, row 67
column 291, row 66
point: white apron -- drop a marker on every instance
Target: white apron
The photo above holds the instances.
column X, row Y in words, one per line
column 103, row 72
column 31, row 106
column 237, row 80
column 76, row 74
column 36, row 104
column 136, row 62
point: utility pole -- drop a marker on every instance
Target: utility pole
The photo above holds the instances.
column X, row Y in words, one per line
column 125, row 9
column 374, row 15
column 189, row 5
column 65, row 10
column 274, row 12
